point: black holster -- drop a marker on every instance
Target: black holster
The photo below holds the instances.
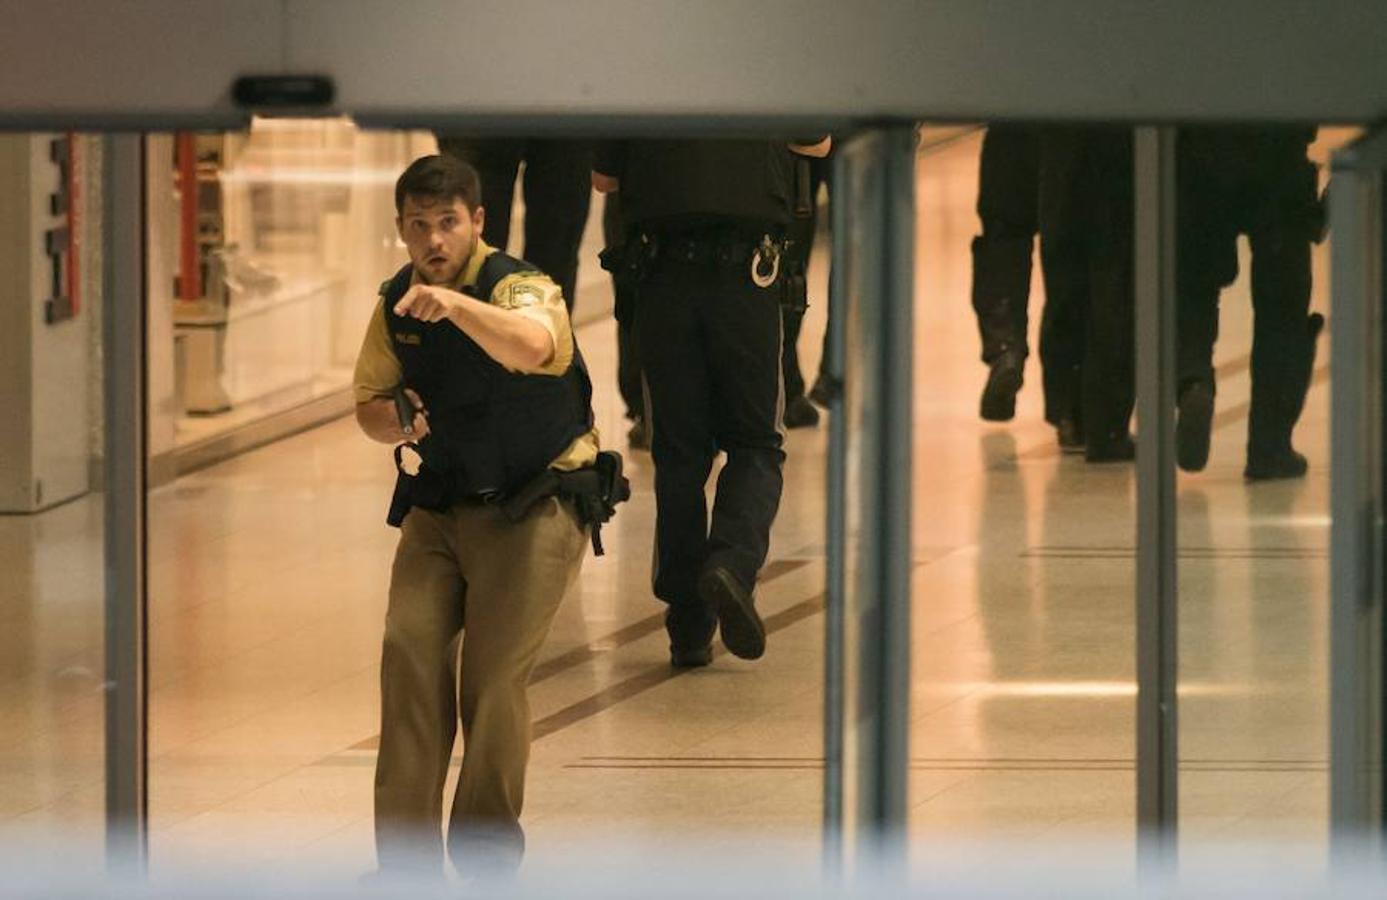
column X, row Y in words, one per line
column 794, row 283
column 593, row 490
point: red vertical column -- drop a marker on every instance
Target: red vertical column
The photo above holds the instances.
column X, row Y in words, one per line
column 189, row 266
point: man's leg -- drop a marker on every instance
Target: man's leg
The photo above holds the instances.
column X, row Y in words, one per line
column 743, row 326
column 558, row 191
column 1108, row 363
column 676, row 371
column 418, row 694
column 1283, row 338
column 517, row 575
column 628, row 362
column 1064, row 264
column 1207, row 237
column 1008, row 191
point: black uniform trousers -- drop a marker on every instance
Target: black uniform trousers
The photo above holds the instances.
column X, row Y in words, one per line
column 1008, row 198
column 557, row 188
column 710, row 352
column 1086, row 334
column 801, row 237
column 628, row 363
column 1257, row 182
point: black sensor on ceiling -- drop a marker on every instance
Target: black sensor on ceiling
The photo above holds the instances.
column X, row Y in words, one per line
column 283, row 91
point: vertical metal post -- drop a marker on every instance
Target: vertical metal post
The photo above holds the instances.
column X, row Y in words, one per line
column 876, row 184
column 123, row 369
column 835, row 538
column 1358, row 234
column 1157, row 647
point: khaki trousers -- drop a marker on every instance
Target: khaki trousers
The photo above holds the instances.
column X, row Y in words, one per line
column 473, row 573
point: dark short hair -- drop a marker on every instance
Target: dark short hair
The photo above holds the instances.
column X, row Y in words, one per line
column 439, row 177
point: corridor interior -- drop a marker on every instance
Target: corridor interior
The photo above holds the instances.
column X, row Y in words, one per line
column 267, row 586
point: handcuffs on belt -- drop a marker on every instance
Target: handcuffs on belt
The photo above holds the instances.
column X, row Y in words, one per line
column 767, row 249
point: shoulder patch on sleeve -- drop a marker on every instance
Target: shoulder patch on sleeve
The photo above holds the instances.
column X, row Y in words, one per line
column 525, row 293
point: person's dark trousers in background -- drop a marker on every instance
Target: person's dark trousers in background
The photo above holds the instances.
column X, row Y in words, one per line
column 1008, row 195
column 1087, row 340
column 800, row 235
column 628, row 363
column 710, row 352
column 557, row 189
column 1259, row 182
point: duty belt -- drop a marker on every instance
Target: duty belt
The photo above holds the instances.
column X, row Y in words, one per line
column 760, row 253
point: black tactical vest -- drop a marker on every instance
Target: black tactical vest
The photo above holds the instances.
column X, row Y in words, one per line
column 671, row 179
column 490, row 429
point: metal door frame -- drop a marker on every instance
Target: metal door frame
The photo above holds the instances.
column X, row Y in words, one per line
column 124, row 390
column 867, row 666
column 1157, row 637
column 1358, row 218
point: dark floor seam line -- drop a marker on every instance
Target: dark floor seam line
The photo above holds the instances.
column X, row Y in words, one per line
column 655, row 676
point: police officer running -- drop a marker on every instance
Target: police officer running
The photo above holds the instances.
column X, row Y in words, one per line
column 706, row 222
column 470, row 361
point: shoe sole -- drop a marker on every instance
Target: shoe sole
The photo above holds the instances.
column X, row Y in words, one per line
column 1193, row 432
column 691, row 659
column 1260, row 474
column 743, row 632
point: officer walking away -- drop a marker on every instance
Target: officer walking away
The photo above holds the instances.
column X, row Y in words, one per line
column 1008, row 192
column 1086, row 254
column 470, row 367
column 706, row 227
column 557, row 189
column 1259, row 182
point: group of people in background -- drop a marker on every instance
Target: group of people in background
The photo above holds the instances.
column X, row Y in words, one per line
column 557, row 189
column 1073, row 187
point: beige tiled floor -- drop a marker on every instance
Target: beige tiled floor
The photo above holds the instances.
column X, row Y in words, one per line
column 268, row 578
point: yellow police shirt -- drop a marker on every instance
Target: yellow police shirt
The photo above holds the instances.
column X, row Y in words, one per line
column 530, row 294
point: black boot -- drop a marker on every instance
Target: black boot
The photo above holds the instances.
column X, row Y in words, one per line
column 1275, row 410
column 800, row 413
column 743, row 632
column 1194, row 425
column 1268, row 465
column 1111, row 448
column 1003, row 382
column 690, row 627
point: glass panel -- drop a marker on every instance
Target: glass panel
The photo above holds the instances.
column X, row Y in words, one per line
column 269, row 571
column 52, row 665
column 1024, row 578
column 1253, row 520
column 256, row 240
